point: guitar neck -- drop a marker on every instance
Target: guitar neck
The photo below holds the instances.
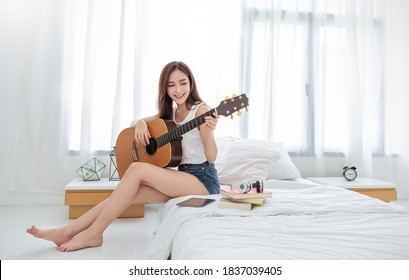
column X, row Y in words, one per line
column 184, row 128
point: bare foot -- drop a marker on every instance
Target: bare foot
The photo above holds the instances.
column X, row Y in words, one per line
column 56, row 235
column 80, row 241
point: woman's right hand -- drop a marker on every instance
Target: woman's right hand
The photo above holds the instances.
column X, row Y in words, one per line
column 142, row 134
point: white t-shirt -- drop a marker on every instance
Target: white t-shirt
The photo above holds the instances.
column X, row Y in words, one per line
column 192, row 145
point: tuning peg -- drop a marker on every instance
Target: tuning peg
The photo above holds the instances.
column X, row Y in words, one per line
column 231, row 116
column 226, row 98
column 234, row 95
column 239, row 113
column 247, row 109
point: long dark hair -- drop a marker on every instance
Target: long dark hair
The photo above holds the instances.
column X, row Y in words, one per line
column 165, row 105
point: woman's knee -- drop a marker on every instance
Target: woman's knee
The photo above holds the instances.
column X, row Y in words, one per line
column 136, row 168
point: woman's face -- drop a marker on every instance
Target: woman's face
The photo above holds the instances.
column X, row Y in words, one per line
column 178, row 87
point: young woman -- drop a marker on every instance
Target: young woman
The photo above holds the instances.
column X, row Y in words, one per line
column 144, row 181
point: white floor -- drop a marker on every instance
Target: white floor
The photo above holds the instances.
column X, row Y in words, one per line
column 126, row 238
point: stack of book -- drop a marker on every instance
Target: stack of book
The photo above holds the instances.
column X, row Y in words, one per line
column 245, row 201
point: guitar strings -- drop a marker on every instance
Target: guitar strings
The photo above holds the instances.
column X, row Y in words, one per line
column 176, row 132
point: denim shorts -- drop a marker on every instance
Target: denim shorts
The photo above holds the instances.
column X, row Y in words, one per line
column 206, row 173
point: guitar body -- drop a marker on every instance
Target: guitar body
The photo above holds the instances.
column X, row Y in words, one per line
column 127, row 151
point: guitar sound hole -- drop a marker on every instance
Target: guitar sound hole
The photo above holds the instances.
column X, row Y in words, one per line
column 152, row 147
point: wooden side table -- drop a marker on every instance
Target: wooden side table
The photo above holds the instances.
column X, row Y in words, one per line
column 375, row 188
column 82, row 195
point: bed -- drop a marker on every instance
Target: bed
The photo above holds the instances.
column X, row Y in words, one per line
column 302, row 221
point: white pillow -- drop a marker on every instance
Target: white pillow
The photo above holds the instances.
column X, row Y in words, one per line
column 244, row 161
column 283, row 168
column 222, row 144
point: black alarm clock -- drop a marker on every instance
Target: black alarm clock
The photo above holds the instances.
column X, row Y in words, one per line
column 350, row 173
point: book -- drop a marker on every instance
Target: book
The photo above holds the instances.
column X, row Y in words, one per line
column 227, row 203
column 234, row 194
column 256, row 200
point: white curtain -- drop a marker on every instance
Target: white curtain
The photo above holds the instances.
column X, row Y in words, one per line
column 74, row 73
column 34, row 158
column 116, row 50
column 88, row 68
column 315, row 69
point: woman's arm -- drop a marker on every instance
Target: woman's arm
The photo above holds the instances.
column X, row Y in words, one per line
column 146, row 120
column 142, row 134
column 207, row 135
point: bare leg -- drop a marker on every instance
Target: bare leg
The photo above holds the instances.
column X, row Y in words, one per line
column 65, row 233
column 170, row 182
column 87, row 230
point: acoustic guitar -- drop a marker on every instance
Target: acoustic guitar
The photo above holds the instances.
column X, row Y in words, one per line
column 165, row 147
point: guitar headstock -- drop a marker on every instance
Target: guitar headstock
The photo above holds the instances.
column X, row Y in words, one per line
column 231, row 105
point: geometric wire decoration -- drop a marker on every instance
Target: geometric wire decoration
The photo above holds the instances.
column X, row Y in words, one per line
column 113, row 169
column 91, row 170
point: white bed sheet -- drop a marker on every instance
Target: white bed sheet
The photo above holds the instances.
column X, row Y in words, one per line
column 301, row 221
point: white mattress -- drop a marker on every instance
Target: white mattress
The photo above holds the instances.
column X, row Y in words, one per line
column 301, row 221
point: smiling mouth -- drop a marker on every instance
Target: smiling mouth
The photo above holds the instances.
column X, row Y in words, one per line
column 179, row 96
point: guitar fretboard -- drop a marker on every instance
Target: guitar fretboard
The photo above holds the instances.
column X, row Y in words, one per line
column 184, row 128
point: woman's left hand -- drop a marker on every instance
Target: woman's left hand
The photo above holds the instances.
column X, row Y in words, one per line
column 211, row 121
